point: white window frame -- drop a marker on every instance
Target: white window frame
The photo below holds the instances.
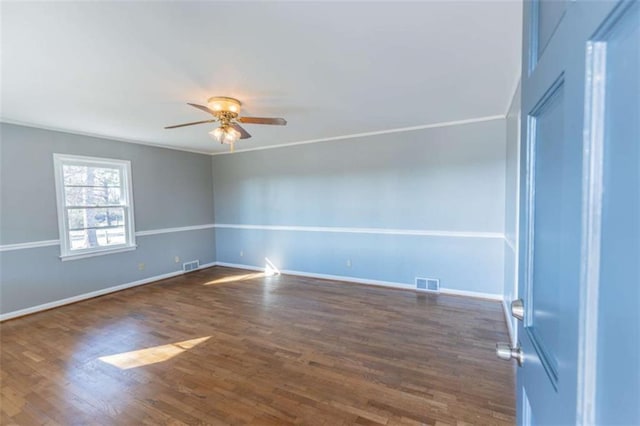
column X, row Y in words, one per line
column 59, row 160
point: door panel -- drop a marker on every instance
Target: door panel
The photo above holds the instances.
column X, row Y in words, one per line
column 548, row 16
column 579, row 214
column 547, row 131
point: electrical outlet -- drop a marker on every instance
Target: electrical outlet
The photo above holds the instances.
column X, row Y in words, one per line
column 140, row 266
column 241, row 253
column 348, row 263
column 177, row 259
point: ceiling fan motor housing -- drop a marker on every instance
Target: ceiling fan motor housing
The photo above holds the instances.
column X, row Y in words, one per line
column 224, row 104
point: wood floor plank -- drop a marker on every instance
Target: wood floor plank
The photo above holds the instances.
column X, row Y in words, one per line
column 223, row 346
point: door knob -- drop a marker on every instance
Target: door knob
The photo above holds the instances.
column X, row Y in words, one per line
column 507, row 352
column 517, row 309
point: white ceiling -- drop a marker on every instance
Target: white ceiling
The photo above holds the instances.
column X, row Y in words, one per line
column 126, row 69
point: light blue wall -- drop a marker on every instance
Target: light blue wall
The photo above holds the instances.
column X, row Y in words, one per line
column 511, row 206
column 468, row 264
column 446, row 179
column 170, row 189
column 36, row 276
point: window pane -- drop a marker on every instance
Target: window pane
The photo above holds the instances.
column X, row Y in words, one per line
column 92, row 196
column 95, row 218
column 76, row 218
column 89, row 175
column 111, row 236
column 79, row 240
column 86, row 188
column 91, row 238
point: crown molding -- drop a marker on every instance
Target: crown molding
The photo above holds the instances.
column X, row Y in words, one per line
column 374, row 133
column 99, row 136
column 237, row 151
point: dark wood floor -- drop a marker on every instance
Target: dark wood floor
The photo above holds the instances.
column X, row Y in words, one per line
column 223, row 346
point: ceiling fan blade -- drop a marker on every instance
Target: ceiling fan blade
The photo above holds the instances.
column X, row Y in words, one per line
column 190, row 124
column 202, row 108
column 243, row 133
column 263, row 120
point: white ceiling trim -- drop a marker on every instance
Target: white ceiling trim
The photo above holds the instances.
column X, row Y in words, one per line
column 284, row 145
column 378, row 132
column 99, row 136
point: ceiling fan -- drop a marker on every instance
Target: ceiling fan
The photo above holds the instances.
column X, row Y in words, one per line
column 226, row 111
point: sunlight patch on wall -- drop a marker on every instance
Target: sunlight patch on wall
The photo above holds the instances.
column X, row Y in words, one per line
column 270, row 269
column 153, row 355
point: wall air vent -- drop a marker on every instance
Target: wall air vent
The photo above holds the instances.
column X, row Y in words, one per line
column 191, row 266
column 428, row 284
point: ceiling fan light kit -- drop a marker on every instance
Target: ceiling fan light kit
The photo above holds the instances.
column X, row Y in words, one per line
column 225, row 134
column 226, row 111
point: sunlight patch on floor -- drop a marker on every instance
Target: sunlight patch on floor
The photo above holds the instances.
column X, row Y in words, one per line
column 234, row 278
column 153, row 355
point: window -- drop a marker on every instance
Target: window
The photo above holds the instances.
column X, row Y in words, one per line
column 95, row 206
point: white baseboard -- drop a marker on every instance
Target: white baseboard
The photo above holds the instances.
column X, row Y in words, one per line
column 479, row 295
column 320, row 276
column 507, row 317
column 90, row 295
column 101, row 292
column 350, row 279
column 474, row 294
column 238, row 266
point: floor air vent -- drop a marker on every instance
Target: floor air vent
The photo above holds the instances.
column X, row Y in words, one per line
column 191, row 266
column 428, row 284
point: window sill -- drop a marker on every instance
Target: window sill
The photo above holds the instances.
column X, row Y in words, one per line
column 97, row 253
